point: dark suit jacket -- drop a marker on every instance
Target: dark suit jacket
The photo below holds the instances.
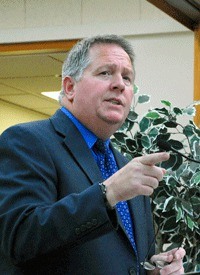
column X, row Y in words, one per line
column 53, row 219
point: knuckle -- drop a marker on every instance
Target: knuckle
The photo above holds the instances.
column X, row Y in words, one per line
column 137, row 168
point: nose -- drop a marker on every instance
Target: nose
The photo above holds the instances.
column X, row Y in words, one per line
column 117, row 83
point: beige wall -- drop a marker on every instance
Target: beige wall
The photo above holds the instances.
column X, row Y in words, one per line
column 11, row 114
column 34, row 20
column 164, row 68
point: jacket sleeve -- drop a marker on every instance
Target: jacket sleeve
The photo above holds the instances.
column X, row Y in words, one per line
column 33, row 220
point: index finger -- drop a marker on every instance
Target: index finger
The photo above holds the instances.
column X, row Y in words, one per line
column 154, row 158
column 179, row 253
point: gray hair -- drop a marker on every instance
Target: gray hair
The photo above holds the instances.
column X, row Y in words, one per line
column 78, row 58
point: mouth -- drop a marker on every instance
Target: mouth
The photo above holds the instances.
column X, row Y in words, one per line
column 115, row 101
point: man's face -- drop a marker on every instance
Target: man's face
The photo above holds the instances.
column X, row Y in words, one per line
column 103, row 96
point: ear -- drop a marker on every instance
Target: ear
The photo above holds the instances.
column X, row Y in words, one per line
column 68, row 86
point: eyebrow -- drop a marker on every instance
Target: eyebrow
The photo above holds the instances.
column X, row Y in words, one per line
column 113, row 66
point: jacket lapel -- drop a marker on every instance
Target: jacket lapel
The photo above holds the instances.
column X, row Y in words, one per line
column 79, row 150
column 76, row 145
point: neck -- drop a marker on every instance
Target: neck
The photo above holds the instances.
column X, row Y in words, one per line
column 101, row 128
column 103, row 132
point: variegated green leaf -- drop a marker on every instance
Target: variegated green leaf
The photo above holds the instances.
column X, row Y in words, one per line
column 143, row 99
column 166, row 103
column 195, row 180
column 144, row 124
column 152, row 115
column 169, row 203
column 146, row 142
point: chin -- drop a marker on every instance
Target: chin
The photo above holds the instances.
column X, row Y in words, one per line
column 116, row 117
column 112, row 118
column 117, row 122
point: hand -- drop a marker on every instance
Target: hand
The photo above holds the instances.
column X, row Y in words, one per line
column 172, row 262
column 139, row 177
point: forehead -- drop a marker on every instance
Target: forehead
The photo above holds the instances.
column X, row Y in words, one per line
column 109, row 53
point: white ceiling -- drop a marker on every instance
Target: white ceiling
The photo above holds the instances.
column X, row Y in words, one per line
column 24, row 77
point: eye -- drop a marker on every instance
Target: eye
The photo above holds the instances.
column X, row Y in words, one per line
column 105, row 73
column 127, row 79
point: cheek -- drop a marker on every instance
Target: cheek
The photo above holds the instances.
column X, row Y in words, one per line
column 129, row 98
column 85, row 100
column 93, row 93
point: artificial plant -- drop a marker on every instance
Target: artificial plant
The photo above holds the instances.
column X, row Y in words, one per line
column 176, row 202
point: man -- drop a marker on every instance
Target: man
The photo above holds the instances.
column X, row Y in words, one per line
column 58, row 209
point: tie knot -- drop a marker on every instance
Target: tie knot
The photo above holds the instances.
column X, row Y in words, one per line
column 100, row 146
